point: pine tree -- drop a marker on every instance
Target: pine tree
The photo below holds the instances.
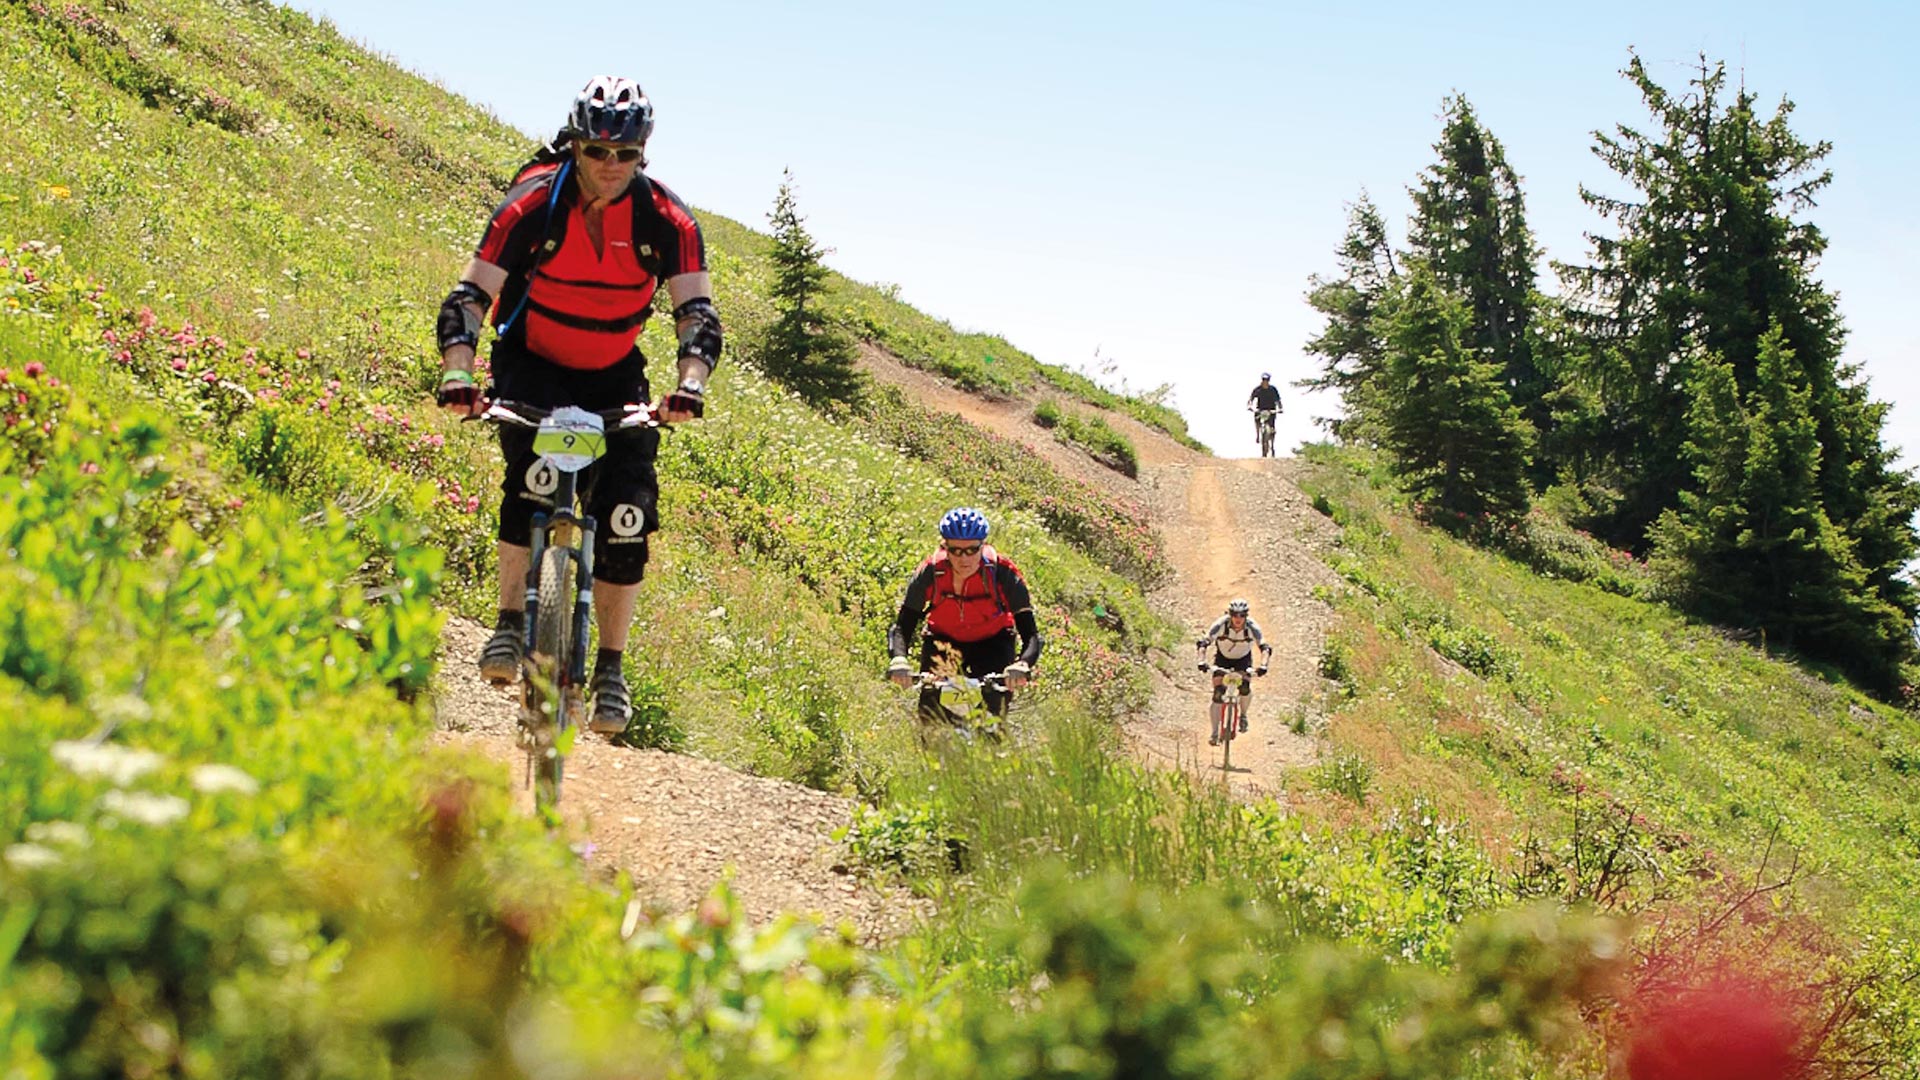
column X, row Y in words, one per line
column 1708, row 262
column 1460, row 446
column 1469, row 226
column 1750, row 543
column 1350, row 349
column 803, row 348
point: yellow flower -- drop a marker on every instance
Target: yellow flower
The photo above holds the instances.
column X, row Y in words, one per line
column 60, row 191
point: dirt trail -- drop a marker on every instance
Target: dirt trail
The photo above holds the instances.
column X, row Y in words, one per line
column 1234, row 527
column 678, row 824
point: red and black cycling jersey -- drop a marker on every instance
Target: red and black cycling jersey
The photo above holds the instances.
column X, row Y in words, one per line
column 585, row 308
column 975, row 609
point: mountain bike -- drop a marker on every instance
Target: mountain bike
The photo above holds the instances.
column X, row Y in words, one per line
column 1263, row 426
column 1233, row 697
column 560, row 581
column 959, row 695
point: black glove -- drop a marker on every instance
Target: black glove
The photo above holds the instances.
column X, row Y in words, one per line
column 687, row 398
column 1261, row 670
column 457, row 388
column 1202, row 667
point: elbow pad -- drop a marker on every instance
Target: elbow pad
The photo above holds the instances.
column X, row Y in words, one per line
column 698, row 326
column 459, row 323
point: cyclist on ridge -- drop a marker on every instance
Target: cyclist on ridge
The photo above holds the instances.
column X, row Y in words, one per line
column 1265, row 398
column 1233, row 637
column 569, row 265
column 973, row 598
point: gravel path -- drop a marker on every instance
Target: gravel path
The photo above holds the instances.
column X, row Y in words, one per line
column 1234, row 527
column 677, row 825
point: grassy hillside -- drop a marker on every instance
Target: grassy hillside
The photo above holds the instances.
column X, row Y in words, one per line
column 1607, row 747
column 229, row 514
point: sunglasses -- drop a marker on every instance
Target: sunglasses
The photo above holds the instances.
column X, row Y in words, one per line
column 601, row 152
column 954, row 549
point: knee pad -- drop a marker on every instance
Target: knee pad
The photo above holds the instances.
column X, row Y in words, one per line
column 1219, row 693
column 617, row 559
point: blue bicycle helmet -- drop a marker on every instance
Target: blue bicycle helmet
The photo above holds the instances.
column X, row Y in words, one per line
column 963, row 523
column 611, row 109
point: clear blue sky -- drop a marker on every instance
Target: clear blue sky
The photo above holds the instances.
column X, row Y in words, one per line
column 1157, row 181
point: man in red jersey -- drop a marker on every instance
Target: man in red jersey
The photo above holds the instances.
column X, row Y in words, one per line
column 974, row 601
column 568, row 266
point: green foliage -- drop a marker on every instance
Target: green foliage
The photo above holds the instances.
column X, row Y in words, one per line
column 1113, row 531
column 913, row 839
column 1091, row 434
column 802, row 348
column 1348, row 774
column 1460, row 446
column 1642, row 762
column 1708, row 267
column 1351, row 351
column 1751, row 544
column 1140, row 984
column 1469, row 229
column 652, row 725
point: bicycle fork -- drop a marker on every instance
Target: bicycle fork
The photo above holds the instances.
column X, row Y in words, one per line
column 583, row 602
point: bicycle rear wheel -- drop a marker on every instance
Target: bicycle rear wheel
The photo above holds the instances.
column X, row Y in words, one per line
column 546, row 693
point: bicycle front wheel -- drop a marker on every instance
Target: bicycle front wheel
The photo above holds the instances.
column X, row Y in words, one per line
column 546, row 693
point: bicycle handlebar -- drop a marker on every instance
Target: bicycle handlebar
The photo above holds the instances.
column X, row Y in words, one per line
column 521, row 414
column 995, row 679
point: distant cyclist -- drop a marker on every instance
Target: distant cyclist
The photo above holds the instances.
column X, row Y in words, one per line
column 974, row 600
column 568, row 266
column 1264, row 399
column 1233, row 637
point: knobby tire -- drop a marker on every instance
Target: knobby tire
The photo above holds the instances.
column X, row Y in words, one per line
column 552, row 648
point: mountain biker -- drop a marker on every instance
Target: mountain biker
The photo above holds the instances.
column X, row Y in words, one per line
column 569, row 265
column 1265, row 398
column 1233, row 638
column 974, row 599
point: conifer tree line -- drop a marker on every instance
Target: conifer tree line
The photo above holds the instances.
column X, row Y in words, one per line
column 1683, row 387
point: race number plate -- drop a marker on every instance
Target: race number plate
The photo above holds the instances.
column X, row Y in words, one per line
column 571, row 438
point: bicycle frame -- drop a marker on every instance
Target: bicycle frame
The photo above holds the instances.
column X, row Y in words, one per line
column 1232, row 702
column 567, row 440
column 958, row 694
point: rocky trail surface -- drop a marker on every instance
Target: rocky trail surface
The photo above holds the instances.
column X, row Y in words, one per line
column 678, row 824
column 1234, row 527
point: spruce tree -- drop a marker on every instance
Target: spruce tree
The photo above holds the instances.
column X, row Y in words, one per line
column 1750, row 544
column 803, row 348
column 1349, row 348
column 1707, row 262
column 1460, row 446
column 1469, row 226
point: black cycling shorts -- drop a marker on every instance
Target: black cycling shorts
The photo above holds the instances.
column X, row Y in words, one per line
column 621, row 490
column 986, row 657
column 1244, row 663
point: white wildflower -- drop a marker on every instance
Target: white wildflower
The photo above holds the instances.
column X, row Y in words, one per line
column 68, row 833
column 145, row 807
column 220, row 779
column 121, row 765
column 30, row 856
column 717, row 613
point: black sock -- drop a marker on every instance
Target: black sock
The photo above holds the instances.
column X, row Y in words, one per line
column 607, row 660
column 510, row 620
